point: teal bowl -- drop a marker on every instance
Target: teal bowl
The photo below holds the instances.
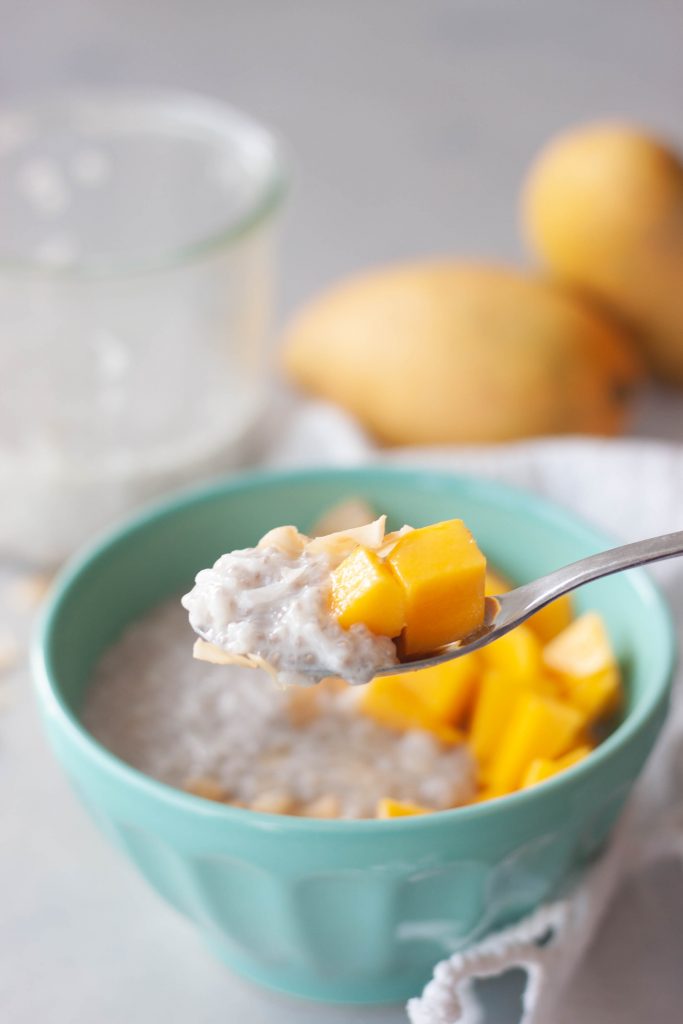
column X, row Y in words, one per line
column 338, row 910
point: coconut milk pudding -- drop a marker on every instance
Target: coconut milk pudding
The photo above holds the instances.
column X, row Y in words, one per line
column 273, row 605
column 339, row 605
column 230, row 733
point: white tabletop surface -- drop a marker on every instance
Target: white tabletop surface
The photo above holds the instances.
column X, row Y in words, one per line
column 411, row 123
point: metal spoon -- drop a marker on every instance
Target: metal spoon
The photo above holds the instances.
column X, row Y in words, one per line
column 506, row 611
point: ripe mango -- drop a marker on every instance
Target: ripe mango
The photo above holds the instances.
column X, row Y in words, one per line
column 603, row 211
column 448, row 352
column 517, row 654
column 543, row 768
column 442, row 572
column 552, row 619
column 396, row 705
column 448, row 690
column 582, row 659
column 388, row 808
column 525, row 710
column 364, row 590
column 539, row 727
column 495, row 704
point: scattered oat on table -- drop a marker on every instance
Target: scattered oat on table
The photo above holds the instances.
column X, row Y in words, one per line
column 9, row 651
column 27, row 591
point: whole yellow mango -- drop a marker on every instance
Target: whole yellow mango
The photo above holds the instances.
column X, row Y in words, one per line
column 441, row 352
column 603, row 210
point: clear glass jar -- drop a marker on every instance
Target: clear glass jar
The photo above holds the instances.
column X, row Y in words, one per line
column 136, row 271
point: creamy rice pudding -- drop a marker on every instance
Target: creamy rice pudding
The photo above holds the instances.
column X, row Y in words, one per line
column 231, row 733
column 268, row 603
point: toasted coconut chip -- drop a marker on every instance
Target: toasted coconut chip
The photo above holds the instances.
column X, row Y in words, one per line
column 347, row 515
column 272, row 592
column 326, row 806
column 286, row 539
column 338, row 545
column 273, row 801
column 392, row 539
column 336, row 550
column 333, row 684
column 206, row 787
column 302, row 705
column 204, row 651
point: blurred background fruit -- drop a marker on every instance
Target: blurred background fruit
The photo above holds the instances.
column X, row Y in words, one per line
column 603, row 210
column 442, row 352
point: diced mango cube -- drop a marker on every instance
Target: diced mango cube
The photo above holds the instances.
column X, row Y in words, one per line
column 543, row 768
column 539, row 727
column 540, row 769
column 388, row 808
column 391, row 703
column 518, row 654
column 582, row 649
column 396, row 705
column 364, row 590
column 586, row 668
column 442, row 572
column 597, row 696
column 448, row 690
column 495, row 703
column 551, row 620
column 449, row 735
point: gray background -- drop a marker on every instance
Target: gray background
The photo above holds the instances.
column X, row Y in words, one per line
column 411, row 125
column 410, row 122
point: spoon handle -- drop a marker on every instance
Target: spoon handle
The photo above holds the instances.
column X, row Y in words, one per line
column 518, row 604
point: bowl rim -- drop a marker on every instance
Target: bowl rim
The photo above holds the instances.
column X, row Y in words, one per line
column 511, row 496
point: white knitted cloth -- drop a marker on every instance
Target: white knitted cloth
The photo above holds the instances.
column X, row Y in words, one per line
column 632, row 489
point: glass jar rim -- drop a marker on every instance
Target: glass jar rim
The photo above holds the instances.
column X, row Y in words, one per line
column 176, row 104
